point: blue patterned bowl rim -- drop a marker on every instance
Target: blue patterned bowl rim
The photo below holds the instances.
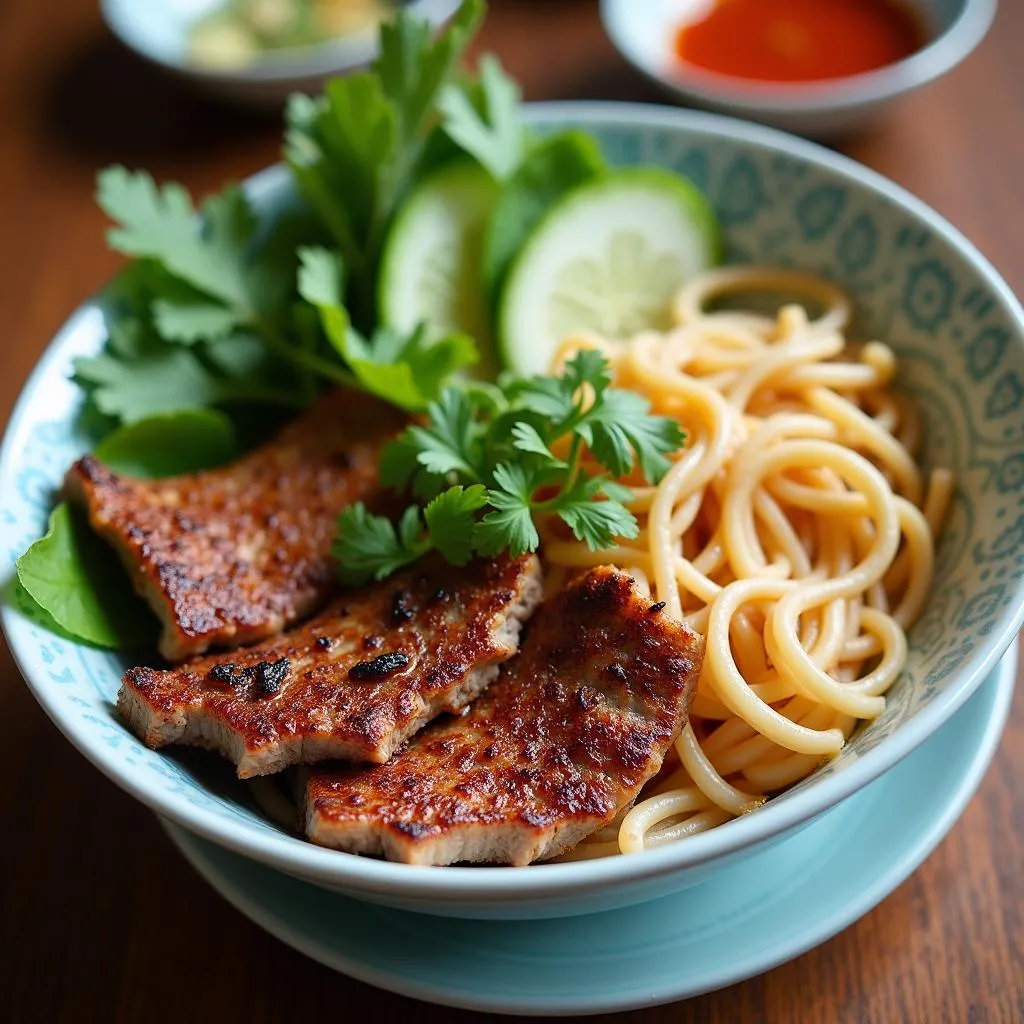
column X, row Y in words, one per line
column 563, row 880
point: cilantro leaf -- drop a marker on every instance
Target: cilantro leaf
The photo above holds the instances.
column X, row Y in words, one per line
column 408, row 370
column 509, row 527
column 137, row 375
column 495, row 139
column 621, row 425
column 353, row 154
column 190, row 319
column 451, row 518
column 449, row 444
column 412, row 69
column 371, row 547
column 493, row 448
column 511, row 524
column 596, row 523
column 527, row 439
column 405, row 370
column 161, row 223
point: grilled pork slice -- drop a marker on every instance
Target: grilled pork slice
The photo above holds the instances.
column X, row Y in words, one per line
column 233, row 555
column 352, row 683
column 567, row 736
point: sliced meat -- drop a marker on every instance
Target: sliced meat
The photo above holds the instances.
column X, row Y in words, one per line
column 233, row 555
column 567, row 736
column 352, row 683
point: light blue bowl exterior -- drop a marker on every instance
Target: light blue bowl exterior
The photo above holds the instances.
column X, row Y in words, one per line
column 917, row 284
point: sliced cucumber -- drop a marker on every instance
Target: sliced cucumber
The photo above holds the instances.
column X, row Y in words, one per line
column 431, row 266
column 554, row 167
column 609, row 257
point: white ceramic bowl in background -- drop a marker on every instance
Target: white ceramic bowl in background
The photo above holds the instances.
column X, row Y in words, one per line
column 644, row 32
column 158, row 31
column 916, row 282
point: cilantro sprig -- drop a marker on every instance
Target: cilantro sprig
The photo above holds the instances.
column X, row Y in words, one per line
column 355, row 152
column 487, row 471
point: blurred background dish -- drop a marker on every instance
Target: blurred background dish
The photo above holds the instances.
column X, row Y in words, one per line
column 259, row 51
column 815, row 67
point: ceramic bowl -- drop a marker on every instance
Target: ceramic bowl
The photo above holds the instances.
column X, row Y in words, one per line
column 158, row 31
column 917, row 283
column 644, row 33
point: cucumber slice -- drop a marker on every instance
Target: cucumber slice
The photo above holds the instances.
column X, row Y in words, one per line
column 552, row 169
column 609, row 257
column 430, row 269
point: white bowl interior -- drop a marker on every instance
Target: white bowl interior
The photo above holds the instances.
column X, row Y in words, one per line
column 918, row 284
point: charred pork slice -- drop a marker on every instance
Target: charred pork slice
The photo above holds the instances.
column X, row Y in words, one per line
column 230, row 556
column 566, row 737
column 352, row 683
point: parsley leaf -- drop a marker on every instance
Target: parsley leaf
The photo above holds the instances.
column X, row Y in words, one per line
column 495, row 137
column 370, row 547
column 596, row 523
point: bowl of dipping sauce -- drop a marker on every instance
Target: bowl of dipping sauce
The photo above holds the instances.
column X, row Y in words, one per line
column 816, row 67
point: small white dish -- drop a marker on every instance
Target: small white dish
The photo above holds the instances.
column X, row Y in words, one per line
column 158, row 31
column 744, row 920
column 644, row 32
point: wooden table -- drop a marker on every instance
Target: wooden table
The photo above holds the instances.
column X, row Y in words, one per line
column 99, row 918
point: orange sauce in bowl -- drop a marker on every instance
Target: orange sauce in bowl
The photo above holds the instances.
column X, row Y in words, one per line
column 799, row 40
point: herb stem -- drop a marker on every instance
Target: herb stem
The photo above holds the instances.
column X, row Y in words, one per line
column 303, row 358
column 571, row 475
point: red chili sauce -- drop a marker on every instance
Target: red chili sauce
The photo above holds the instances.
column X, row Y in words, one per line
column 799, row 40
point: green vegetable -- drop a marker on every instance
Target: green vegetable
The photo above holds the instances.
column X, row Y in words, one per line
column 609, row 257
column 494, row 135
column 170, row 443
column 430, row 268
column 487, row 457
column 72, row 575
column 75, row 578
column 550, row 170
column 355, row 152
column 405, row 370
column 138, row 374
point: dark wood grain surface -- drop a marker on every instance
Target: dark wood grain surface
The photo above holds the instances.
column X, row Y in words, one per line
column 100, row 920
